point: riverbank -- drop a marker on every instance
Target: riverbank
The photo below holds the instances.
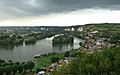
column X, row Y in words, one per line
column 27, row 52
column 46, row 61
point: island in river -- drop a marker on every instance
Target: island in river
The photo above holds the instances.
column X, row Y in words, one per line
column 63, row 39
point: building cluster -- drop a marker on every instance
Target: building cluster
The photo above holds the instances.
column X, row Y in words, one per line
column 93, row 45
column 55, row 66
column 73, row 29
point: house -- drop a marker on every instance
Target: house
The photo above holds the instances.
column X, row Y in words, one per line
column 100, row 41
column 53, row 67
column 41, row 73
column 89, row 44
column 9, row 31
column 100, row 44
column 72, row 29
column 94, row 32
column 67, row 29
column 80, row 29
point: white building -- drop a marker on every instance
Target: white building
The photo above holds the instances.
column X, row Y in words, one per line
column 9, row 31
column 41, row 73
column 94, row 32
column 72, row 29
column 80, row 29
column 67, row 29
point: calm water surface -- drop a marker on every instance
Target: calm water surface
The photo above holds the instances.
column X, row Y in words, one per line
column 27, row 52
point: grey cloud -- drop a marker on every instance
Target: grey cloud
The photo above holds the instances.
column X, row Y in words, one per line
column 25, row 8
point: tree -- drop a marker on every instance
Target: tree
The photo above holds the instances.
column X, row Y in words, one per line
column 14, row 69
column 38, row 69
column 17, row 63
column 54, row 59
column 2, row 61
column 20, row 68
column 2, row 70
column 66, row 54
column 63, row 39
column 8, row 70
column 11, row 63
column 4, row 64
column 26, row 66
column 30, row 65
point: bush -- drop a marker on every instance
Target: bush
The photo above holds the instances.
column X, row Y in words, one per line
column 67, row 54
column 54, row 59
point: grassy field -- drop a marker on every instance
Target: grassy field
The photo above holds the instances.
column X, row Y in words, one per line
column 111, row 27
column 46, row 61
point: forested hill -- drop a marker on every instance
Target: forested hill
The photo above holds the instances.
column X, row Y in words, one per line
column 106, row 62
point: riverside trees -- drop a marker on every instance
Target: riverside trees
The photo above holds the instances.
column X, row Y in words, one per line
column 9, row 68
column 9, row 41
column 14, row 39
column 31, row 38
column 63, row 39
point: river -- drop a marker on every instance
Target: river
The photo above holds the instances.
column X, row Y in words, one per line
column 27, row 52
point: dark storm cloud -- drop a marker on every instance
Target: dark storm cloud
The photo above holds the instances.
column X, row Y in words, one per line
column 25, row 8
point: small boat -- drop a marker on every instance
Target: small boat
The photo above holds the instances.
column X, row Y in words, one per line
column 37, row 56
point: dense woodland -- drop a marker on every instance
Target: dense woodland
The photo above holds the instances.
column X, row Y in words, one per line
column 13, row 68
column 8, row 41
column 11, row 40
column 31, row 38
column 63, row 39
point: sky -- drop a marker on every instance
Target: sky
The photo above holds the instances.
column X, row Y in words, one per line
column 58, row 12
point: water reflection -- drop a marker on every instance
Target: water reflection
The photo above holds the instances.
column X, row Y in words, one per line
column 61, row 47
column 7, row 47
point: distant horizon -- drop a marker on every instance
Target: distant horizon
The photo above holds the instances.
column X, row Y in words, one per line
column 60, row 26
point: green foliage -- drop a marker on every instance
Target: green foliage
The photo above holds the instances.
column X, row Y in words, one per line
column 106, row 62
column 8, row 70
column 4, row 64
column 67, row 54
column 5, row 36
column 38, row 70
column 17, row 63
column 40, row 35
column 2, row 70
column 20, row 68
column 54, row 59
column 115, row 39
column 11, row 67
column 30, row 40
column 11, row 40
column 63, row 39
column 105, row 25
column 30, row 65
column 26, row 66
column 46, row 61
column 7, row 41
column 14, row 69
